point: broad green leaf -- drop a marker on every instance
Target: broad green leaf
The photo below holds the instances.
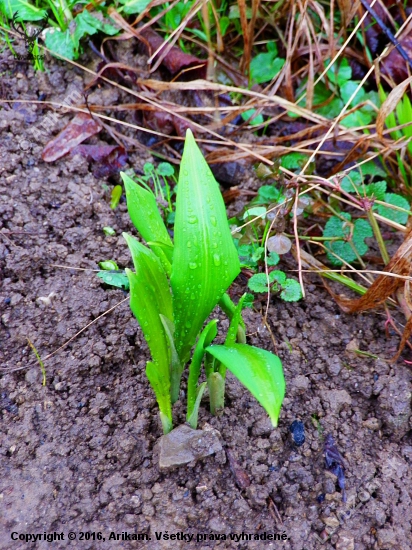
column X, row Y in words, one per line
column 176, row 367
column 394, row 215
column 61, row 43
column 235, row 322
column 165, row 169
column 293, row 161
column 268, row 194
column 205, row 339
column 266, row 66
column 259, row 281
column 255, row 212
column 249, row 299
column 119, row 280
column 272, row 258
column 248, row 116
column 291, row 291
column 278, row 276
column 353, row 237
column 134, row 6
column 258, row 370
column 205, row 260
column 149, row 297
column 26, row 11
column 340, row 75
column 145, row 215
column 87, row 25
column 192, row 418
column 162, row 394
column 348, row 89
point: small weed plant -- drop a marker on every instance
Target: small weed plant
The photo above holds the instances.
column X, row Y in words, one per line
column 176, row 285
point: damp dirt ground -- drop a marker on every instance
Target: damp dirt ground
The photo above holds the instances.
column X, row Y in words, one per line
column 78, row 454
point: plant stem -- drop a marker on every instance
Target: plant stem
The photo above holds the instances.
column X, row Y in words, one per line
column 216, row 385
column 378, row 236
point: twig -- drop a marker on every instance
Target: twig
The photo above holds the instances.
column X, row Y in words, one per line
column 388, row 33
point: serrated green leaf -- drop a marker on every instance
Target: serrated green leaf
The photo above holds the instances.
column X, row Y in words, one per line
column 268, row 194
column 145, row 216
column 336, row 227
column 341, row 74
column 348, row 89
column 376, row 190
column 259, row 371
column 165, row 169
column 277, row 276
column 258, row 282
column 272, row 259
column 252, row 120
column 352, row 181
column 61, row 43
column 87, row 25
column 370, row 168
column 266, row 66
column 248, row 301
column 291, row 291
column 293, row 161
column 392, row 214
column 119, row 280
column 205, row 260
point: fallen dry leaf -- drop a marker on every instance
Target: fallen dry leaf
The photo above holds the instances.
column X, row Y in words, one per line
column 78, row 130
column 390, row 103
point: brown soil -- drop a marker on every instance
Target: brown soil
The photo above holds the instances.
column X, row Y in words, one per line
column 77, row 455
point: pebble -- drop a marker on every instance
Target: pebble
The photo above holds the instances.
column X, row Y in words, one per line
column 345, row 542
column 372, row 424
column 297, row 429
column 183, row 445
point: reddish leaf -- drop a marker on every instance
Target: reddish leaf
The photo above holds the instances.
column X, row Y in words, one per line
column 175, row 60
column 80, row 128
column 110, row 159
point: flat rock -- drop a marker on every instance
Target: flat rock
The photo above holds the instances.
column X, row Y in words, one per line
column 183, row 445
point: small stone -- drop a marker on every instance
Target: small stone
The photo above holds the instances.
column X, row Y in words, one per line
column 130, row 519
column 33, row 376
column 301, row 383
column 60, row 386
column 394, row 403
column 337, row 399
column 335, row 366
column 345, row 542
column 183, row 445
column 297, row 429
column 352, row 347
column 364, row 496
column 331, row 521
column 372, row 424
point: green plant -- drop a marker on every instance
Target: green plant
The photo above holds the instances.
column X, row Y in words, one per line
column 345, row 238
column 177, row 284
column 289, row 289
column 65, row 31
